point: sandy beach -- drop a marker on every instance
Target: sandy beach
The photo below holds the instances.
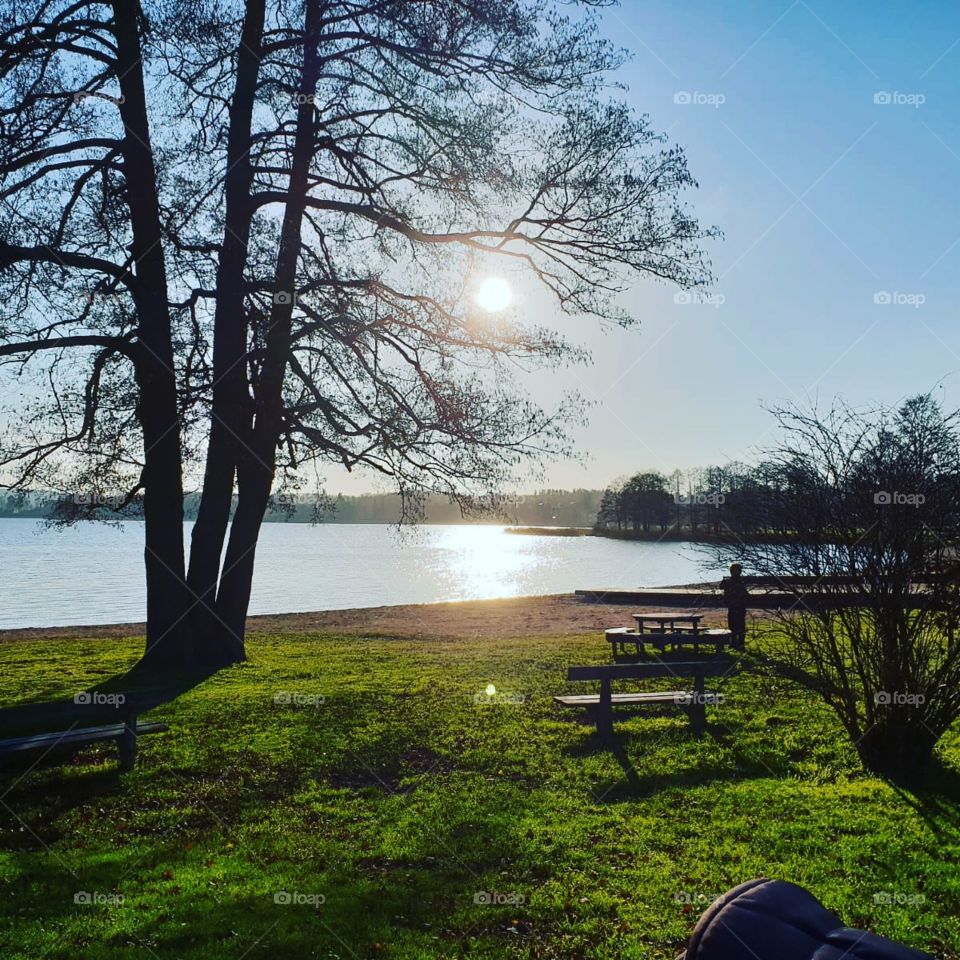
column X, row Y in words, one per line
column 533, row 616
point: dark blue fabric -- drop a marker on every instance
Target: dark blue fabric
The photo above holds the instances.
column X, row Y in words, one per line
column 776, row 920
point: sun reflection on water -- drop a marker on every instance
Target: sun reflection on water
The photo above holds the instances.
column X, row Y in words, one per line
column 484, row 562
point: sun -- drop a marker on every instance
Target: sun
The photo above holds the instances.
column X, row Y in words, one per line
column 494, row 294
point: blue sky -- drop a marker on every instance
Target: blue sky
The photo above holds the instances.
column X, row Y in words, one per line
column 829, row 202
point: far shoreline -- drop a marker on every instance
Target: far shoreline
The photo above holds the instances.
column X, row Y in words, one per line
column 669, row 535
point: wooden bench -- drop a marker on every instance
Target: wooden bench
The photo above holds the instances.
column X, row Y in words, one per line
column 623, row 638
column 694, row 701
column 82, row 723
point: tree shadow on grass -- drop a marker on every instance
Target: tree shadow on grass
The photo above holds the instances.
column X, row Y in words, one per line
column 936, row 798
column 357, row 917
column 258, row 897
column 107, row 702
column 32, row 810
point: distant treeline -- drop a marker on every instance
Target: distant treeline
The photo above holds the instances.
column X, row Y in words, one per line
column 704, row 503
column 573, row 508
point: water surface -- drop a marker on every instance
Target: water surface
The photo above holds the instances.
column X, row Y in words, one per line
column 93, row 573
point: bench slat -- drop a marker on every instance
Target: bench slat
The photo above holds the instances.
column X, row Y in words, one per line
column 80, row 735
column 662, row 696
column 61, row 713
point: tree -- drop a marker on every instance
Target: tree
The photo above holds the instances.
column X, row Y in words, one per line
column 243, row 236
column 646, row 501
column 870, row 505
column 609, row 513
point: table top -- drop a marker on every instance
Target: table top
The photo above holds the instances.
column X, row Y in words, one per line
column 668, row 616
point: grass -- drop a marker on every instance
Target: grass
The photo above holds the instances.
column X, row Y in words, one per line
column 407, row 792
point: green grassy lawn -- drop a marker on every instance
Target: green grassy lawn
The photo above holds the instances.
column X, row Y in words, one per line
column 390, row 797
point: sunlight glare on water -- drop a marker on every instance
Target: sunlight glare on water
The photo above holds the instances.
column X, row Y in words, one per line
column 483, row 562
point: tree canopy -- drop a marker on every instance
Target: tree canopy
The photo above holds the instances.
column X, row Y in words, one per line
column 237, row 243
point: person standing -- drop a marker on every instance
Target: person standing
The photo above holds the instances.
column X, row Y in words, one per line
column 736, row 597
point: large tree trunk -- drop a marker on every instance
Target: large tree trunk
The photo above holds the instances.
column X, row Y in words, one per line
column 236, row 581
column 168, row 603
column 257, row 463
column 232, row 405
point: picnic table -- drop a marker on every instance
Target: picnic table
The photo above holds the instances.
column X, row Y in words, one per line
column 677, row 630
column 667, row 622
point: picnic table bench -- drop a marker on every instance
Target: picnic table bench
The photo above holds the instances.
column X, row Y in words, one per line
column 662, row 630
column 694, row 702
column 77, row 723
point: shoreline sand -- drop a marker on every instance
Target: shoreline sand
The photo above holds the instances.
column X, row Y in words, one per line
column 511, row 616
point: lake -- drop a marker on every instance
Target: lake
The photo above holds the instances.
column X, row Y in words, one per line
column 93, row 573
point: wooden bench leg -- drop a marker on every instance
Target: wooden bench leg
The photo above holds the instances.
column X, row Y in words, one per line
column 605, row 711
column 698, row 709
column 127, row 743
column 698, row 718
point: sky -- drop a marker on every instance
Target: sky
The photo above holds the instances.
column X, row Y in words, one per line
column 826, row 141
